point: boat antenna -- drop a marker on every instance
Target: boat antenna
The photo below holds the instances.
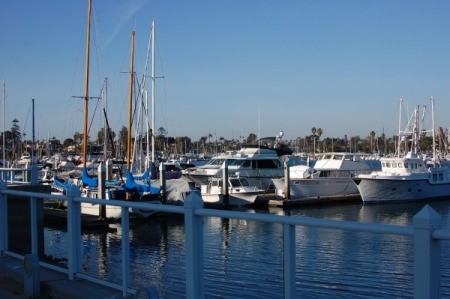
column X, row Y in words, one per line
column 432, row 130
column 259, row 127
column 399, row 128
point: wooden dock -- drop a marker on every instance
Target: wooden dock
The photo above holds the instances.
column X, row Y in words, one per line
column 58, row 218
column 295, row 202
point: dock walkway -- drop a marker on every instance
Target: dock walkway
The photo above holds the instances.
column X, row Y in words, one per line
column 52, row 284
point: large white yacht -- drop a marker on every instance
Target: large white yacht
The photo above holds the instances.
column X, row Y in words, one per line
column 256, row 163
column 331, row 176
column 409, row 177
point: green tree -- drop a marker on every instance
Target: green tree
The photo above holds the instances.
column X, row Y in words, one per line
column 16, row 137
column 251, row 139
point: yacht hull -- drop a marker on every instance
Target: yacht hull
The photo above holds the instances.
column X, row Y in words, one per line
column 392, row 190
column 322, row 187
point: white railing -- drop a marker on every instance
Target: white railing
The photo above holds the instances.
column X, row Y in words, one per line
column 425, row 232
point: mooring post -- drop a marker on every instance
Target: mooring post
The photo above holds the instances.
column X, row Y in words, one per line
column 74, row 231
column 3, row 219
column 101, row 189
column 427, row 250
column 108, row 165
column 194, row 247
column 226, row 193
column 162, row 179
column 287, row 181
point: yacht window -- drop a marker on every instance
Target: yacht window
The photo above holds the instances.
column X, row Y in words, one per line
column 266, row 164
column 337, row 157
column 244, row 182
column 217, row 161
column 441, row 176
column 242, row 163
column 394, row 165
column 435, row 177
column 405, row 165
column 324, row 174
column 383, row 164
column 326, row 157
column 235, row 183
column 388, row 164
column 216, row 183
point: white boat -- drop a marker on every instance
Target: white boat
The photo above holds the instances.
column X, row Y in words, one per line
column 240, row 192
column 407, row 178
column 258, row 164
column 331, row 176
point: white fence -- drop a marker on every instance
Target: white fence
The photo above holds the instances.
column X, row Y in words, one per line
column 425, row 232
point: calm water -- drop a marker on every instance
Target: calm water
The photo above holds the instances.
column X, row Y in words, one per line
column 243, row 258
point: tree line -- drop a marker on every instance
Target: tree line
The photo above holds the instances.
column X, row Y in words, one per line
column 165, row 145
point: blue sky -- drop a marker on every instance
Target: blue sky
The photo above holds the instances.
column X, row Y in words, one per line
column 230, row 68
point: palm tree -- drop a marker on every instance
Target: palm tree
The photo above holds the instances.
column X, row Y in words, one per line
column 372, row 137
column 319, row 133
column 313, row 131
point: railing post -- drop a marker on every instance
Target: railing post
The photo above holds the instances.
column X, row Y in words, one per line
column 34, row 175
column 125, row 251
column 3, row 219
column 194, row 247
column 74, row 231
column 427, row 269
column 34, row 226
column 289, row 260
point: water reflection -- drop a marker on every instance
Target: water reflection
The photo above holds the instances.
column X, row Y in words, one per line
column 244, row 258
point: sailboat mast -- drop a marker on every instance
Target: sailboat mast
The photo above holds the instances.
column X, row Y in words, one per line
column 86, row 88
column 32, row 133
column 4, row 132
column 130, row 101
column 153, row 91
column 105, row 132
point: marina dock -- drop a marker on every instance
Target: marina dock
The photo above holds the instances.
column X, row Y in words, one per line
column 52, row 284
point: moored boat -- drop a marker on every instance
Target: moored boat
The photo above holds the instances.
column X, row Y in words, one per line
column 240, row 192
column 331, row 176
column 410, row 177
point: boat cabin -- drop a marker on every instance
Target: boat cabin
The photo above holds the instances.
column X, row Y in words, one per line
column 404, row 165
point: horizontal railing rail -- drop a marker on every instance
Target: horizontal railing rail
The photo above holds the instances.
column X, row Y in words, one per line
column 426, row 234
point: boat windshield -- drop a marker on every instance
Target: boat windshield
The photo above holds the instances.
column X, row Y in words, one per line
column 216, row 161
column 238, row 182
column 239, row 162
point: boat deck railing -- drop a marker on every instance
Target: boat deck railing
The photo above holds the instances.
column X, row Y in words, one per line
column 426, row 234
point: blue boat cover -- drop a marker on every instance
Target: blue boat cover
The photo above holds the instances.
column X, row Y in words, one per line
column 60, row 183
column 131, row 184
column 88, row 180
